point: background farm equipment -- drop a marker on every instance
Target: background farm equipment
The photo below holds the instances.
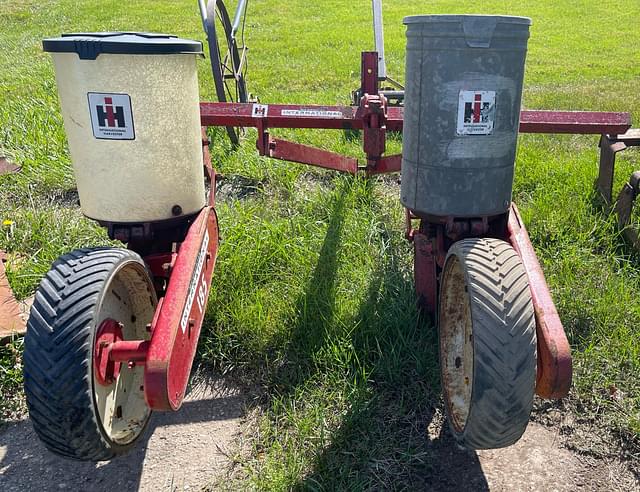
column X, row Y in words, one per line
column 113, row 332
column 610, row 145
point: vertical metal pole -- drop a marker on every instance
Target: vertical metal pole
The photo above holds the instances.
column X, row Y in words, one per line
column 242, row 5
column 379, row 38
column 203, row 15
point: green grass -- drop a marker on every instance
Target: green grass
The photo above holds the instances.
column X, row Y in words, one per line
column 312, row 297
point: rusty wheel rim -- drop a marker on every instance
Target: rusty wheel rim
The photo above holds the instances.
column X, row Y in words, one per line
column 456, row 343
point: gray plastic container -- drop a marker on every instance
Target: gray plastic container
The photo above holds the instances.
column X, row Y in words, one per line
column 464, row 78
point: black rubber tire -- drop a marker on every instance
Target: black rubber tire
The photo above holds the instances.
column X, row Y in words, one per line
column 216, row 10
column 503, row 341
column 58, row 354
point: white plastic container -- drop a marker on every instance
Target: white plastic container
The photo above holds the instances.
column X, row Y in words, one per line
column 131, row 112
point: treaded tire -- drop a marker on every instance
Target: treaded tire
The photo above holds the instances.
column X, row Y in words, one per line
column 489, row 373
column 58, row 360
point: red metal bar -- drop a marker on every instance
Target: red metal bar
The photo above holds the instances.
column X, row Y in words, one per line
column 389, row 164
column 278, row 115
column 574, row 122
column 554, row 354
column 128, row 351
column 369, row 73
column 305, row 154
column 425, row 272
column 178, row 318
column 344, row 117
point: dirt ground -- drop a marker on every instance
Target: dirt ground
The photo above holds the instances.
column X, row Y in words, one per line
column 191, row 449
column 180, row 451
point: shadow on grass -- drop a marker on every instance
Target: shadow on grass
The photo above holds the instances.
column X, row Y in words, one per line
column 393, row 435
column 315, row 307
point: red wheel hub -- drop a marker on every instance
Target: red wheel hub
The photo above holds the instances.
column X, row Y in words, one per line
column 106, row 370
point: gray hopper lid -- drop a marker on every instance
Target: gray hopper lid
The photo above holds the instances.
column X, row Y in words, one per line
column 89, row 45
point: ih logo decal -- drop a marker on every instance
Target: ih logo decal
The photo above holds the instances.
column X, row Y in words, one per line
column 111, row 116
column 476, row 112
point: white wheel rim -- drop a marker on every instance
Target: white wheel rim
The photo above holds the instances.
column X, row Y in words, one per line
column 121, row 406
column 456, row 343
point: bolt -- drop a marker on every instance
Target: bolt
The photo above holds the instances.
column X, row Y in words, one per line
column 131, row 364
column 148, row 327
column 176, row 210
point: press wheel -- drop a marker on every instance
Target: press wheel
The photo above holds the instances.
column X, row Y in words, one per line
column 487, row 338
column 89, row 296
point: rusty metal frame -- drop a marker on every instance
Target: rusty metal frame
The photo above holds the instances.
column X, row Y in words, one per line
column 610, row 146
column 432, row 240
column 375, row 118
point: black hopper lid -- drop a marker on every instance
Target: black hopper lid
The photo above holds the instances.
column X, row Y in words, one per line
column 89, row 45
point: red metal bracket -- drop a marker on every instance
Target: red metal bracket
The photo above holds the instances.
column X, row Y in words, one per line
column 554, row 354
column 369, row 83
column 425, row 272
column 389, row 164
column 178, row 320
column 305, row 154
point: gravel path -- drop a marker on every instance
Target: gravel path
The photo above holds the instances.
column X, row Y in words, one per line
column 187, row 450
column 181, row 451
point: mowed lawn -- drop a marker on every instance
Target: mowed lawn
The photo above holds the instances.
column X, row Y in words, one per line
column 312, row 301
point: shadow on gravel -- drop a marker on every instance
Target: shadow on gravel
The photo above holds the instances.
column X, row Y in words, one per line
column 179, row 450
